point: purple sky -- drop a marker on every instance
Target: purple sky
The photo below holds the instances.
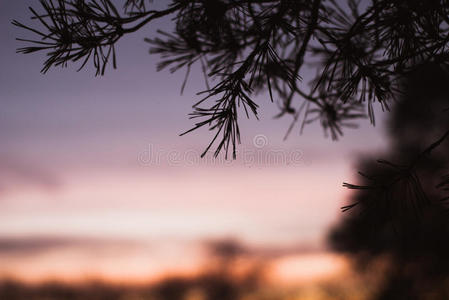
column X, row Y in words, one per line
column 73, row 156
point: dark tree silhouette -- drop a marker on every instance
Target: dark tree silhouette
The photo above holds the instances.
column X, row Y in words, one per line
column 401, row 210
column 360, row 50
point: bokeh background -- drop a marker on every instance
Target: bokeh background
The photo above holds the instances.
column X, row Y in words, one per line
column 96, row 185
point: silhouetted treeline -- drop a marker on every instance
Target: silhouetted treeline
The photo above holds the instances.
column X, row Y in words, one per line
column 218, row 281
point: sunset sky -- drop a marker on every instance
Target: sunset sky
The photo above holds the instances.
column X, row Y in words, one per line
column 96, row 181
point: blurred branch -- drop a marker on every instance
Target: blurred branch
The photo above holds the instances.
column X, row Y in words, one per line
column 389, row 187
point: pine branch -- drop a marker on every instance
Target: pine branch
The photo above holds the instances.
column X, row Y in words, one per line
column 361, row 56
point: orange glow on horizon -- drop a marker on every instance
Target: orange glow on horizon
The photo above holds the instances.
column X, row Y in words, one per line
column 307, row 268
column 70, row 267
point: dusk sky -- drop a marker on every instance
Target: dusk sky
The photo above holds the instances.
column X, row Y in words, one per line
column 96, row 181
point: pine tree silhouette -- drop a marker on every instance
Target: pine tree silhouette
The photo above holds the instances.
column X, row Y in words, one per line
column 361, row 51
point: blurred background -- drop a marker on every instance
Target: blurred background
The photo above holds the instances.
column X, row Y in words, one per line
column 101, row 199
